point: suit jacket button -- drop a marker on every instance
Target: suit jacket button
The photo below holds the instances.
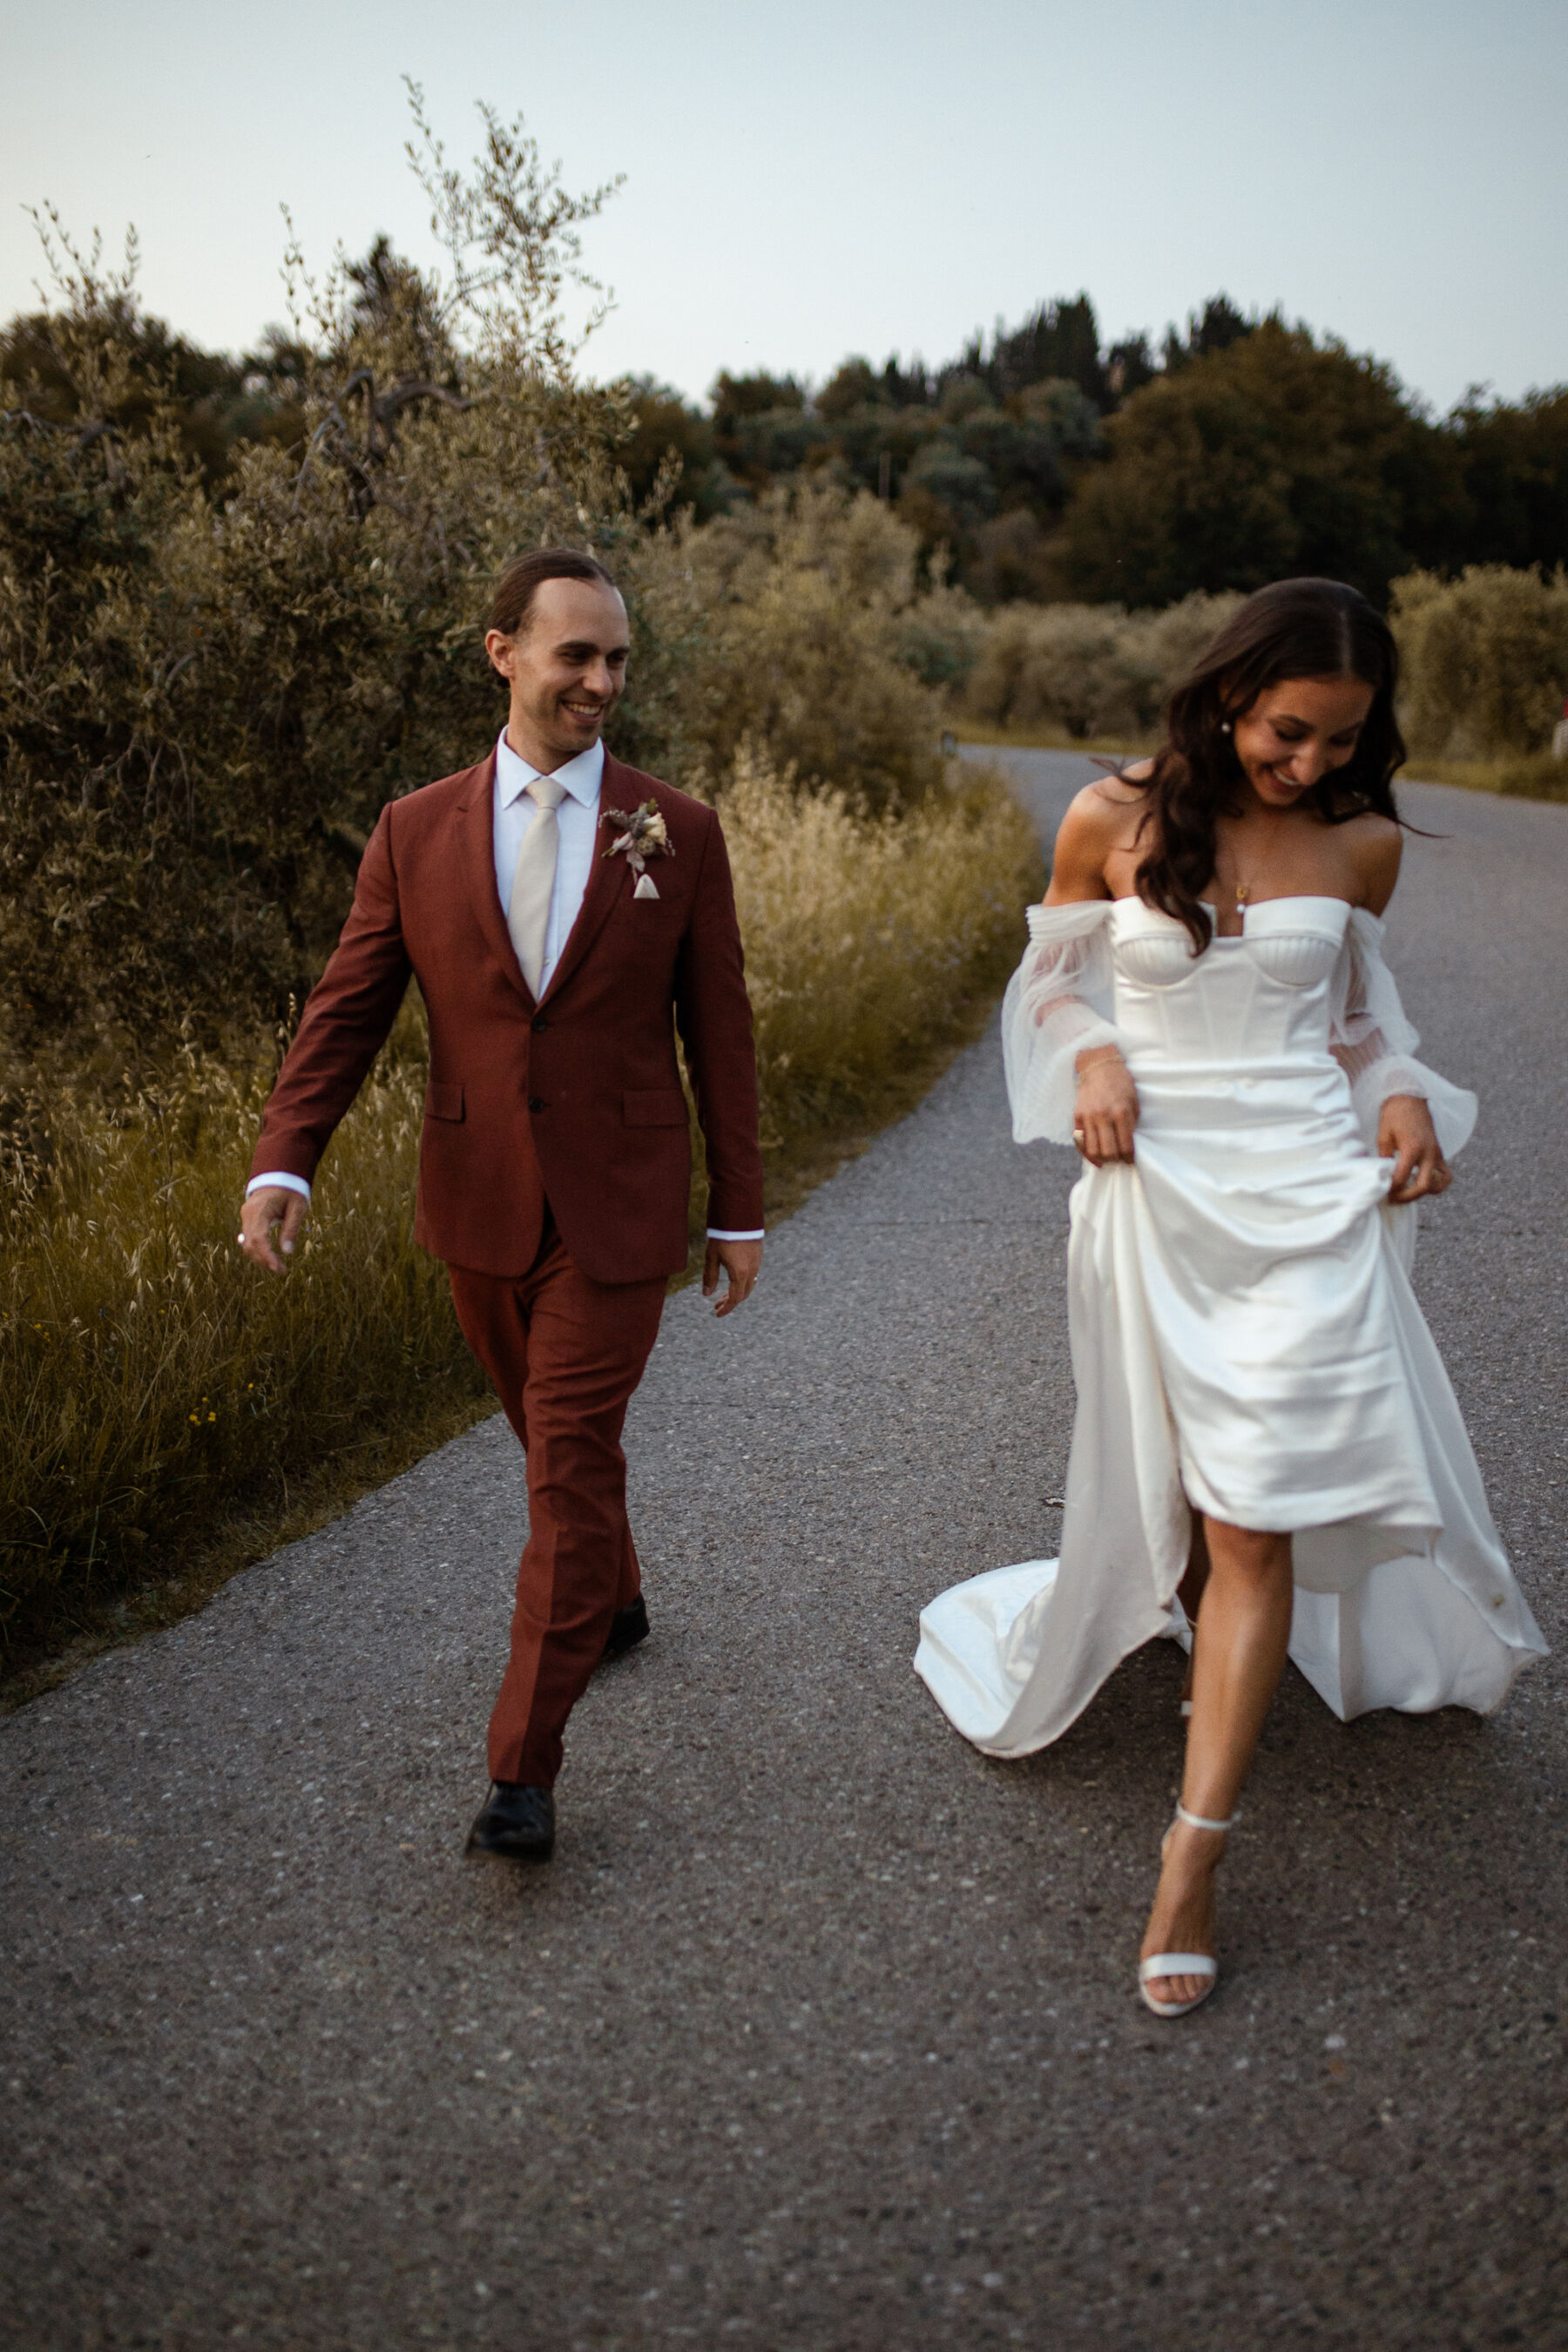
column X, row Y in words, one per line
column 538, row 1022
column 536, row 1102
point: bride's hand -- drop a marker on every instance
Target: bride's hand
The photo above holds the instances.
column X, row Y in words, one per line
column 1405, row 1135
column 1107, row 1108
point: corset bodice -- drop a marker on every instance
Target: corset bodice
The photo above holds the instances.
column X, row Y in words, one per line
column 1263, row 996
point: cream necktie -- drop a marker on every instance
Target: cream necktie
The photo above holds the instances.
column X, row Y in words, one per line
column 528, row 916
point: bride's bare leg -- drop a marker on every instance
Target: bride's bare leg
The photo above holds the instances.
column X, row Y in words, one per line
column 1238, row 1656
column 1190, row 1591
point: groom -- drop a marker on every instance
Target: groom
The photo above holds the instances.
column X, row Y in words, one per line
column 563, row 915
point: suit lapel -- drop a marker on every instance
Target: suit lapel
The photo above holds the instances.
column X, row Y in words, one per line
column 480, row 861
column 607, row 881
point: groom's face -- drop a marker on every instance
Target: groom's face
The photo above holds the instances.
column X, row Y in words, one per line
column 566, row 668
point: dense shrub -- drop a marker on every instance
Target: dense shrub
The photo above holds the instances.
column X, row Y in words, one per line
column 1092, row 669
column 1072, row 666
column 205, row 695
column 1485, row 659
column 940, row 635
column 791, row 618
column 1485, row 665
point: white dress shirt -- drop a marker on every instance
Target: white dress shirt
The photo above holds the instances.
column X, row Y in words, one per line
column 512, row 813
column 578, row 821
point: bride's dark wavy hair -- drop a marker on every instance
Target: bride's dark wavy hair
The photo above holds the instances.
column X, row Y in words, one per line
column 1296, row 628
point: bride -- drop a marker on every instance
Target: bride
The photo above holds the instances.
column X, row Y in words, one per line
column 1267, row 1457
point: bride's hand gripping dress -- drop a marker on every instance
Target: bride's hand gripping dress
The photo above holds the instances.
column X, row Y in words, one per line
column 1244, row 1338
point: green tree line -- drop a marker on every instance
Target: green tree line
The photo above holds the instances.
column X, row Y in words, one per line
column 1039, row 462
column 1054, row 468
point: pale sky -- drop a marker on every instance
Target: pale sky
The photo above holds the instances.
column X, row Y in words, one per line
column 808, row 180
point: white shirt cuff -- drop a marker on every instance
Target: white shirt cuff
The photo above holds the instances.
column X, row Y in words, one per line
column 278, row 1176
column 715, row 1235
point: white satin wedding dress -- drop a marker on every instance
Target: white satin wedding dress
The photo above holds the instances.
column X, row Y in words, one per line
column 1244, row 1338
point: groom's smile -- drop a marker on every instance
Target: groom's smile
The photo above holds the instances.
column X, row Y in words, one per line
column 566, row 668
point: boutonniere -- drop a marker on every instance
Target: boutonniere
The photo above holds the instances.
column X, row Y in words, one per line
column 638, row 837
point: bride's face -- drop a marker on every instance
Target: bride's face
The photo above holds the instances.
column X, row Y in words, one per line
column 1298, row 732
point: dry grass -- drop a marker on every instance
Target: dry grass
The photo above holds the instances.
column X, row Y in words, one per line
column 166, row 1416
column 149, row 1387
column 867, row 936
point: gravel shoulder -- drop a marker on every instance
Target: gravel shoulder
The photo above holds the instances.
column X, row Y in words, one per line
column 821, row 2028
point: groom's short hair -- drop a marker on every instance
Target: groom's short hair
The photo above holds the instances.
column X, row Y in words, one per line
column 526, row 574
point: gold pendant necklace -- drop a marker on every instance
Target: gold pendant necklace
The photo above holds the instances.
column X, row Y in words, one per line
column 1242, row 892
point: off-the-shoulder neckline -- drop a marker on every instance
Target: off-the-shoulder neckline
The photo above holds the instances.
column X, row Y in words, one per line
column 1286, row 898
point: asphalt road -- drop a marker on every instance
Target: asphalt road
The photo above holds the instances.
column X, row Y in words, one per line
column 821, row 2028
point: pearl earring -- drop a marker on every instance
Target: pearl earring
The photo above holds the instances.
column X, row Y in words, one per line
column 1225, row 727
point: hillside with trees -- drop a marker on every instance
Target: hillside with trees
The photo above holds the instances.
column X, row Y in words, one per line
column 1051, row 467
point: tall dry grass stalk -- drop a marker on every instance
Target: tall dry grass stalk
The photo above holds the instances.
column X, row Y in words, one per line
column 868, row 936
column 147, row 1381
column 150, row 1383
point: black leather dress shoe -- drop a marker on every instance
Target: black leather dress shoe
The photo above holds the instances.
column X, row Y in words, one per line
column 627, row 1628
column 515, row 1821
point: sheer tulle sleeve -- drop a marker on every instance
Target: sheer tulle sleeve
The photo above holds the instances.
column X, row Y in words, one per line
column 1058, row 1002
column 1376, row 1043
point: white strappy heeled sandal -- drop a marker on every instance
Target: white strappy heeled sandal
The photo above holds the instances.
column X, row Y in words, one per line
column 1181, row 1964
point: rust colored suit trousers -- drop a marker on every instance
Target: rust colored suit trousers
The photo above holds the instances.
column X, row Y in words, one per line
column 566, row 1355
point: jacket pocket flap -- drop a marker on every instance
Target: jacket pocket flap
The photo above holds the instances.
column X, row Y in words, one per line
column 665, row 1106
column 443, row 1101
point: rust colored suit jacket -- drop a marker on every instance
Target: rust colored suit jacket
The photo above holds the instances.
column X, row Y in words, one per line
column 574, row 1101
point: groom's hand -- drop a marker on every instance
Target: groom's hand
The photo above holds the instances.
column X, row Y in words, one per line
column 742, row 1262
column 274, row 1205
